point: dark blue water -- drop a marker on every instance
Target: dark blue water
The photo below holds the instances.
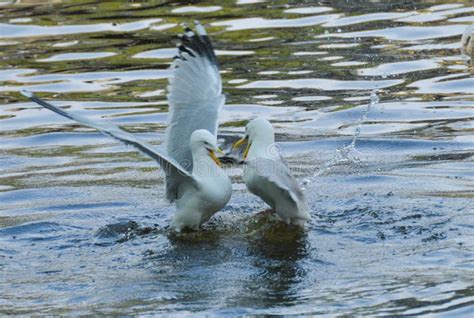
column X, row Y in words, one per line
column 83, row 220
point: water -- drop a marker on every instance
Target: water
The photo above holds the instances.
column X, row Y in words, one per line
column 83, row 221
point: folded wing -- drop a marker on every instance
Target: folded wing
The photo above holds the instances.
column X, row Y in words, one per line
column 278, row 173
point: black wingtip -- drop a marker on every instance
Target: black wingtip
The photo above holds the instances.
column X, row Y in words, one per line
column 196, row 43
column 183, row 48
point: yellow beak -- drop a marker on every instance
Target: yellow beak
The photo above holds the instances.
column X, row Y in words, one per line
column 241, row 142
column 246, row 152
column 214, row 157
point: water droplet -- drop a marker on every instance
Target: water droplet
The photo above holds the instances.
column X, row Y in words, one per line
column 374, row 98
column 349, row 153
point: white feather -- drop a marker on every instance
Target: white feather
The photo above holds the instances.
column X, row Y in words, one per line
column 194, row 97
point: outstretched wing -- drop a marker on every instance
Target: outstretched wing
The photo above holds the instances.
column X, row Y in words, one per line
column 194, row 94
column 278, row 173
column 169, row 165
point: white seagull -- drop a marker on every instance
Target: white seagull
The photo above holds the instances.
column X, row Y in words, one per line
column 267, row 175
column 467, row 41
column 194, row 179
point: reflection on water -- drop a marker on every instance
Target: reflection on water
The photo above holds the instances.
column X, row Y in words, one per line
column 83, row 221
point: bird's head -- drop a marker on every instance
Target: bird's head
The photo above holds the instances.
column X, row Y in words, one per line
column 257, row 130
column 203, row 142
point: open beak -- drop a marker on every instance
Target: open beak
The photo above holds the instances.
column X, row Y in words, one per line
column 213, row 156
column 241, row 142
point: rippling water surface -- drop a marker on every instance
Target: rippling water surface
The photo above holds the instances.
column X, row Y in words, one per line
column 83, row 219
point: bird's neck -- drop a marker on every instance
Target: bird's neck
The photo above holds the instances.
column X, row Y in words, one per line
column 204, row 166
column 263, row 147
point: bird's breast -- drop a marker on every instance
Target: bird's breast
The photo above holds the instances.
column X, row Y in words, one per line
column 216, row 191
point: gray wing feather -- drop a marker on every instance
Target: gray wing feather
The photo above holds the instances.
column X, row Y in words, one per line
column 194, row 97
column 278, row 173
column 169, row 165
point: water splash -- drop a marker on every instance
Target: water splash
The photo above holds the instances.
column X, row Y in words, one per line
column 346, row 154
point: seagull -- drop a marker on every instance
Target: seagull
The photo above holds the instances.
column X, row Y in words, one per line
column 267, row 175
column 194, row 178
column 467, row 41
